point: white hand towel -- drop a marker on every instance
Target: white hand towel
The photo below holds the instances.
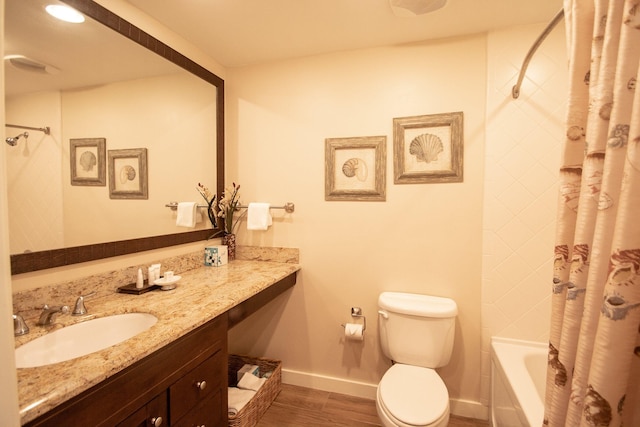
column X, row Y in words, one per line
column 238, row 398
column 187, row 214
column 250, row 382
column 258, row 216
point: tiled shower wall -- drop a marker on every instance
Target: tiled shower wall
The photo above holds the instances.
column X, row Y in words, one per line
column 523, row 141
column 34, row 168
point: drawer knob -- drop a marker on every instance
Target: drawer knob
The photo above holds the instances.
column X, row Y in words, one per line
column 156, row 421
column 201, row 385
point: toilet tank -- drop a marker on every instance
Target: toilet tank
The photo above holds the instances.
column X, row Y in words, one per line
column 416, row 329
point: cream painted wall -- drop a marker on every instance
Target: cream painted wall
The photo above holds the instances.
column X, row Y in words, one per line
column 425, row 238
column 8, row 377
column 8, row 374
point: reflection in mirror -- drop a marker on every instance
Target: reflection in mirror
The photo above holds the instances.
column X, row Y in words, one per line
column 87, row 83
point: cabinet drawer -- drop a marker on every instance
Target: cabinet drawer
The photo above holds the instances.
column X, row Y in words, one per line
column 196, row 385
column 207, row 413
column 152, row 414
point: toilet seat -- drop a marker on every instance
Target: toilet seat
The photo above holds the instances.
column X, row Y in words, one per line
column 413, row 396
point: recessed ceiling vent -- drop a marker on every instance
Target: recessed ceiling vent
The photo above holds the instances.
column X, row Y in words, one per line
column 409, row 8
column 21, row 62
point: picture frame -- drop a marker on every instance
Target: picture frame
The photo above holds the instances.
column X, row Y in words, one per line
column 128, row 176
column 355, row 168
column 87, row 161
column 428, row 148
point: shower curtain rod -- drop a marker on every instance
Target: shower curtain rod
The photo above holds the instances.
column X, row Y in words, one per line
column 45, row 129
column 515, row 91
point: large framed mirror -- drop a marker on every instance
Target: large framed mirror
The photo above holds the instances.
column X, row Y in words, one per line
column 104, row 80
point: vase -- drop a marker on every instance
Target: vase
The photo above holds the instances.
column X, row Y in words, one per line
column 230, row 241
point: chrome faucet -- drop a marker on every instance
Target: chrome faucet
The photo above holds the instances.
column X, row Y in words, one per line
column 46, row 317
column 79, row 308
column 19, row 326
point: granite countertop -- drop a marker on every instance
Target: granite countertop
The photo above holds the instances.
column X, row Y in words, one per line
column 201, row 295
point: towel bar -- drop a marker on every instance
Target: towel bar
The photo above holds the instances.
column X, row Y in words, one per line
column 288, row 207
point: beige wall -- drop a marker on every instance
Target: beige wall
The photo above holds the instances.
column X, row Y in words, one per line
column 8, row 375
column 426, row 238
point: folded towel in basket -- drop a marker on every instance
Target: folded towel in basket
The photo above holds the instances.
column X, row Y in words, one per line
column 251, row 382
column 238, row 398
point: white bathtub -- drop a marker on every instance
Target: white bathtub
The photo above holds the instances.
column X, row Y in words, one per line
column 518, row 375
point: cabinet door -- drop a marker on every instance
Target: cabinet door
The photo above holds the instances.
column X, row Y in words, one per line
column 153, row 414
column 196, row 385
column 205, row 414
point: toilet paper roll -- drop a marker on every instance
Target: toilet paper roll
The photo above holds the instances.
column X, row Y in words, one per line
column 354, row 332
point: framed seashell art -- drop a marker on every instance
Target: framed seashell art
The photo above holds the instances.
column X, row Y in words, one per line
column 87, row 156
column 355, row 168
column 128, row 174
column 428, row 148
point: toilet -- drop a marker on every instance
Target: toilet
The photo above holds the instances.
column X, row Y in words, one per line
column 416, row 333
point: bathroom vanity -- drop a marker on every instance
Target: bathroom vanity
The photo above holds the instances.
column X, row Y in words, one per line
column 175, row 373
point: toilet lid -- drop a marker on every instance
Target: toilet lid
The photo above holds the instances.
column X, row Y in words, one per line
column 414, row 395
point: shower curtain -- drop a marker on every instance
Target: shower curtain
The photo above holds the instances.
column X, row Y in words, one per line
column 593, row 375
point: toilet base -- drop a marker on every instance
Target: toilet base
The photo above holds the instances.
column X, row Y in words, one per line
column 388, row 422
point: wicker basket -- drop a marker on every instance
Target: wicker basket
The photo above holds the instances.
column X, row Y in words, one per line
column 251, row 413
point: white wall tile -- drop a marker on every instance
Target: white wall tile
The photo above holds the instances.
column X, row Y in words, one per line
column 524, row 136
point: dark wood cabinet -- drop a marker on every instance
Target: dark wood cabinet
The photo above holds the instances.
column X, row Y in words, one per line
column 153, row 414
column 183, row 383
column 202, row 415
column 195, row 399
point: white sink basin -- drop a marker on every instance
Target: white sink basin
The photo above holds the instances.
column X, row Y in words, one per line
column 82, row 339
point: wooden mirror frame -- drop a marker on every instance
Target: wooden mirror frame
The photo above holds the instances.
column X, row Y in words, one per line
column 34, row 261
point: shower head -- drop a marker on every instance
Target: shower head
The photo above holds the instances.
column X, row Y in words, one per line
column 13, row 141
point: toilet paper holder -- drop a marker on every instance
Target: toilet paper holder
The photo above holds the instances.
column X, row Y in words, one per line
column 355, row 313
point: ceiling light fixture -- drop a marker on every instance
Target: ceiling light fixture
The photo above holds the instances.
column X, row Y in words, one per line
column 29, row 64
column 408, row 8
column 65, row 13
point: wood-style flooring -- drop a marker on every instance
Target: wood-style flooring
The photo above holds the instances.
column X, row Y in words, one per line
column 303, row 407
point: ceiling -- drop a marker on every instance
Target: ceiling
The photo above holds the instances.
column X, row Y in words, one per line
column 244, row 32
column 237, row 33
column 81, row 55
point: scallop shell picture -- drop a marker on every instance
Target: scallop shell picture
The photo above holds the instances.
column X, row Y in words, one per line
column 355, row 167
column 426, row 147
column 127, row 173
column 87, row 161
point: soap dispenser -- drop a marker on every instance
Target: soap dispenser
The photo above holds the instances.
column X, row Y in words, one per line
column 140, row 280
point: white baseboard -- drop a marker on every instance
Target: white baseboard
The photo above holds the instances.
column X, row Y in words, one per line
column 459, row 407
column 332, row 384
column 469, row 409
